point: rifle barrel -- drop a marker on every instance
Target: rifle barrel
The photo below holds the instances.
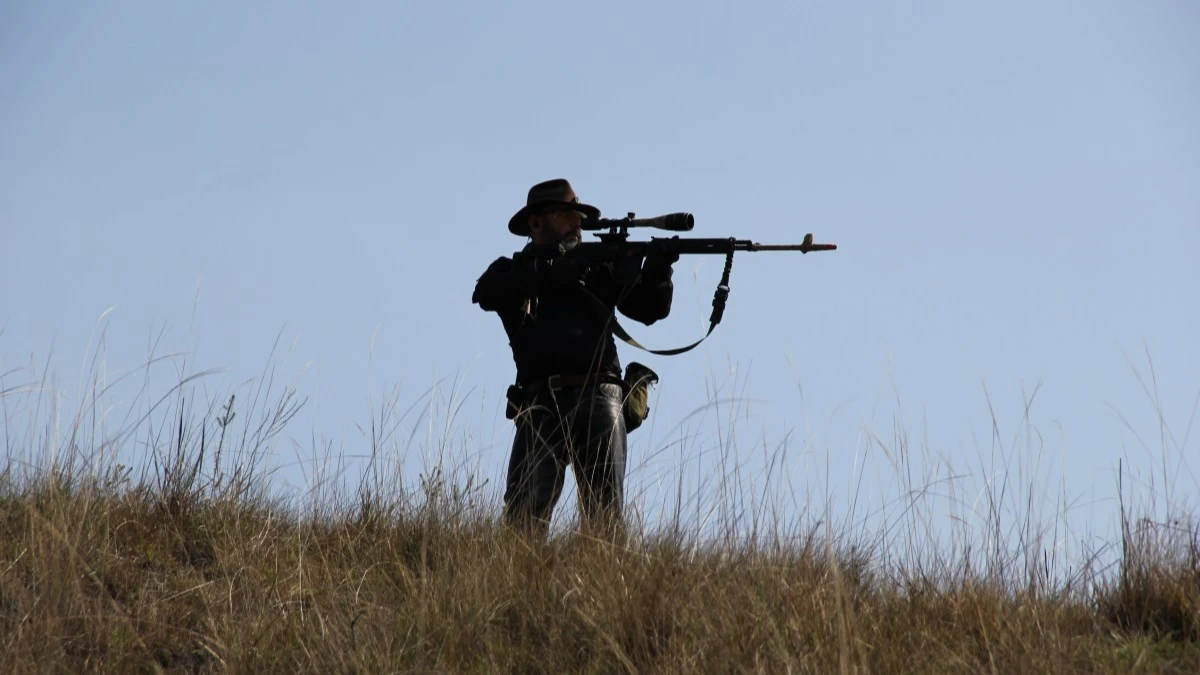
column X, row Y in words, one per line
column 803, row 248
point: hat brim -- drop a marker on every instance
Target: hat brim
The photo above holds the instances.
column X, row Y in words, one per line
column 519, row 223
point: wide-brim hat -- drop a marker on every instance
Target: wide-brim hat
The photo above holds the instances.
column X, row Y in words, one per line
column 551, row 195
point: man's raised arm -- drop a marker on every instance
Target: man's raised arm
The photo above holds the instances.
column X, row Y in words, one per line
column 503, row 284
column 649, row 299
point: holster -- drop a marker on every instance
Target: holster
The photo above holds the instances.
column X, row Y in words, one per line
column 517, row 400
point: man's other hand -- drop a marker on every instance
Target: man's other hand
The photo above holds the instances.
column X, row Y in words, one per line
column 565, row 270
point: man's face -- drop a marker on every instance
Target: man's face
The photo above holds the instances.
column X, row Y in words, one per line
column 557, row 227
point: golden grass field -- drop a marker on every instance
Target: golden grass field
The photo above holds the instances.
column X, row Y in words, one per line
column 188, row 564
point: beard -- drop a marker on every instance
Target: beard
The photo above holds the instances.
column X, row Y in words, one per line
column 567, row 239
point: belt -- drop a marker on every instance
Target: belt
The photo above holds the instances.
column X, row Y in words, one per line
column 558, row 382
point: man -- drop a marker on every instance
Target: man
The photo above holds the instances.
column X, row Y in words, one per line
column 568, row 396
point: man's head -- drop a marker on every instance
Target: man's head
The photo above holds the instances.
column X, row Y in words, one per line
column 552, row 214
column 556, row 226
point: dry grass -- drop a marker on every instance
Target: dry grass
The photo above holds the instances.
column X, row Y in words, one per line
column 192, row 566
column 95, row 581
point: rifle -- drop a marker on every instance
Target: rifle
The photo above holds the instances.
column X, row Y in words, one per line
column 626, row 257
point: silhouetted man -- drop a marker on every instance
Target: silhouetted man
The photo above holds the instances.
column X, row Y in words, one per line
column 567, row 399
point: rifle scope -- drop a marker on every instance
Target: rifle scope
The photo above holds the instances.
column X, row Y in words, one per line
column 675, row 222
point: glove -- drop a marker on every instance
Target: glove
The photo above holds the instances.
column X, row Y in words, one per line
column 661, row 256
column 662, row 259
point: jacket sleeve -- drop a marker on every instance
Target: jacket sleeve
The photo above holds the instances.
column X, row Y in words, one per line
column 649, row 299
column 504, row 284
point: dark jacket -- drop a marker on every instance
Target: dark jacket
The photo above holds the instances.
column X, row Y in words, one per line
column 556, row 330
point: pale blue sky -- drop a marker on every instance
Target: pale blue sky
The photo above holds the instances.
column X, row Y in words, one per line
column 1014, row 188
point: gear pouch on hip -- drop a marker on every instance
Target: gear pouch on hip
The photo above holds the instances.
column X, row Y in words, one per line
column 636, row 408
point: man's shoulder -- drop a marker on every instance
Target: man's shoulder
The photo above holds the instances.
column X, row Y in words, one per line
column 506, row 262
column 500, row 263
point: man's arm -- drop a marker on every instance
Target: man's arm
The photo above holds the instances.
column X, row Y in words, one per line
column 502, row 285
column 507, row 283
column 649, row 299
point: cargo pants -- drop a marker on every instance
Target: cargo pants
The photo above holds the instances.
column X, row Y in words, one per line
column 583, row 428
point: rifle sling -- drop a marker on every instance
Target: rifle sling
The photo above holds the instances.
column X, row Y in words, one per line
column 718, row 304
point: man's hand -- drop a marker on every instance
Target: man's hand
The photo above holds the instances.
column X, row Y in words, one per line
column 662, row 256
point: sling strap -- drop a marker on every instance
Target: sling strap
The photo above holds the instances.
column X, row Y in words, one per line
column 718, row 311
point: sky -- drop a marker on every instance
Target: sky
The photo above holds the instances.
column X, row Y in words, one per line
column 311, row 190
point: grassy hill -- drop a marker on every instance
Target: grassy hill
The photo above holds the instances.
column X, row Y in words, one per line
column 188, row 564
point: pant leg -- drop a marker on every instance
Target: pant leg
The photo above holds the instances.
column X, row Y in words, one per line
column 536, row 469
column 599, row 444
